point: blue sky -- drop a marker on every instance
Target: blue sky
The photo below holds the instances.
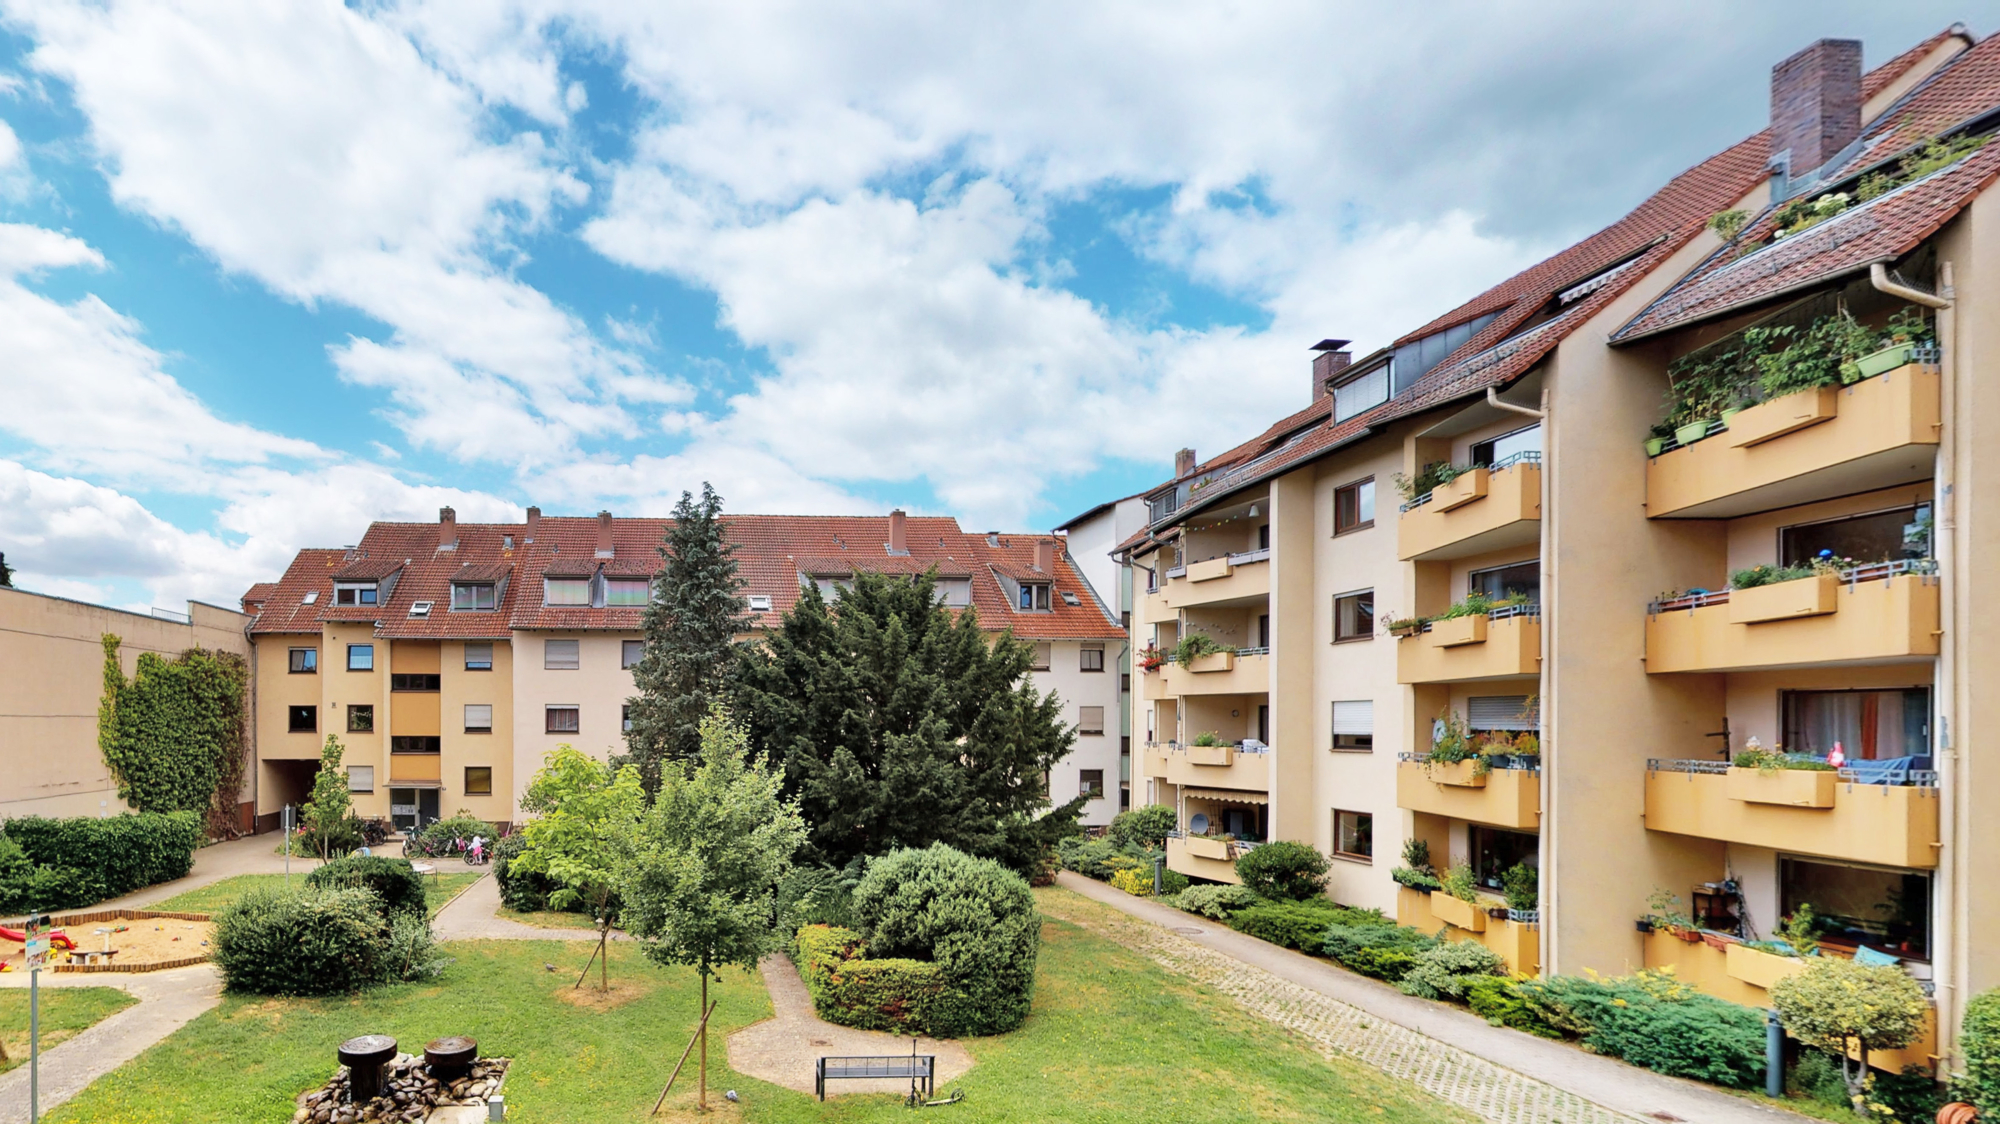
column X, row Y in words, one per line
column 268, row 272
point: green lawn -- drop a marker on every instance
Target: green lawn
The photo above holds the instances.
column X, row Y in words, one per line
column 547, row 918
column 66, row 1011
column 438, row 889
column 1112, row 1038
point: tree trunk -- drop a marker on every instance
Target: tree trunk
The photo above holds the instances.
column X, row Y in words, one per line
column 604, row 955
column 703, row 1086
column 1856, row 1075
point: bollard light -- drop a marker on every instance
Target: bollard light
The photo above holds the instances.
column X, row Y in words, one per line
column 496, row 1107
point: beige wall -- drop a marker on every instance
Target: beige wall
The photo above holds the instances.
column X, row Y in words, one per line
column 51, row 681
column 599, row 688
column 1077, row 688
column 461, row 750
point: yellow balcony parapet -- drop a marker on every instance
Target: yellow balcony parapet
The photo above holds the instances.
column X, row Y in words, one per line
column 1873, row 618
column 1218, row 673
column 1784, row 601
column 1758, row 968
column 1814, row 445
column 1219, row 767
column 1470, row 916
column 1510, row 798
column 1466, row 649
column 1894, row 825
column 1479, row 511
column 1214, row 661
column 1182, row 856
column 1517, row 942
column 1234, row 578
column 1153, row 762
column 1209, row 570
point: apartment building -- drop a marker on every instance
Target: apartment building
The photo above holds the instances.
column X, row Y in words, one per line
column 1551, row 586
column 450, row 659
column 1093, row 539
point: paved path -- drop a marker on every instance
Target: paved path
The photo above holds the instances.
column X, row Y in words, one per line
column 167, row 1001
column 252, row 854
column 1499, row 1074
column 472, row 916
column 783, row 1048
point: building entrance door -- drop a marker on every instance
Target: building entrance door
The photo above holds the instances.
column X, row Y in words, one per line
column 411, row 808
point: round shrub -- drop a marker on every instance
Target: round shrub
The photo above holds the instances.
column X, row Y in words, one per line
column 519, row 890
column 973, row 918
column 394, row 882
column 315, row 942
column 1446, row 971
column 1143, row 827
column 1217, row 902
column 1285, row 870
column 1980, row 1042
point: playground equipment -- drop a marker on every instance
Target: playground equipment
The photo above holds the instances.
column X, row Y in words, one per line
column 57, row 938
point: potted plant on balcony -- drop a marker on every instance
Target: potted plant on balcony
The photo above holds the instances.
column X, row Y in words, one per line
column 1454, row 759
column 1664, row 915
column 1456, row 902
column 1151, row 658
column 1417, row 873
column 1196, row 647
column 1400, row 627
column 1430, row 477
column 1908, row 329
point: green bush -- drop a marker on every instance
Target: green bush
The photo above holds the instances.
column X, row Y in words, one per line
column 519, row 889
column 438, row 838
column 1300, row 925
column 1099, row 859
column 1173, row 882
column 394, row 882
column 1381, row 948
column 973, row 918
column 1145, row 826
column 1283, row 870
column 1653, row 1020
column 1389, row 965
column 851, row 990
column 1979, row 1041
column 1840, row 1004
column 1498, row 1000
column 1133, row 882
column 84, row 860
column 314, row 942
column 412, row 953
column 1445, row 971
column 1216, row 902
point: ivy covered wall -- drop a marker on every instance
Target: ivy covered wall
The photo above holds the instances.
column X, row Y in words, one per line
column 173, row 735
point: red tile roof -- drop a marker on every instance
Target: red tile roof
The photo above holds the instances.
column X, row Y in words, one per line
column 1958, row 91
column 285, row 608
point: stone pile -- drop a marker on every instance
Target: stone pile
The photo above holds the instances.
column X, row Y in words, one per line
column 410, row 1093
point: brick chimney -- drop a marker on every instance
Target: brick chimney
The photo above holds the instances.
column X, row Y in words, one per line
column 1815, row 105
column 1332, row 358
column 534, row 524
column 604, row 547
column 899, row 533
column 1045, row 555
column 447, row 529
column 1183, row 463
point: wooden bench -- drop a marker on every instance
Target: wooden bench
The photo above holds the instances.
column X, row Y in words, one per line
column 922, row 1067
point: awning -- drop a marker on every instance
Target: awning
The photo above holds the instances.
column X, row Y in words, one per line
column 1228, row 795
column 398, row 782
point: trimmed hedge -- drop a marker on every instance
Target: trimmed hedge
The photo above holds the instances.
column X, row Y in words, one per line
column 1285, row 870
column 84, row 860
column 1301, row 925
column 316, row 942
column 394, row 882
column 973, row 918
column 890, row 994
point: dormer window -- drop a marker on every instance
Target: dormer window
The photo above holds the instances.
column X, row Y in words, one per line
column 626, row 592
column 474, row 597
column 954, row 593
column 1034, row 597
column 566, row 591
column 349, row 593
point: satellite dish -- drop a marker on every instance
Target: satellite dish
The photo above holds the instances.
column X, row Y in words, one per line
column 1198, row 825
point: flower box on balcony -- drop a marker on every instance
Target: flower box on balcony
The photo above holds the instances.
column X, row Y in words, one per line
column 1793, row 788
column 1209, row 570
column 1203, row 847
column 1458, row 631
column 1214, row 661
column 1463, row 774
column 1784, row 601
column 1224, row 755
column 1460, row 490
column 1884, row 361
column 1470, row 916
column 1759, row 968
column 1780, row 416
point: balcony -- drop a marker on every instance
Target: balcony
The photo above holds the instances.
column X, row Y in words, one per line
column 1815, row 445
column 1804, row 812
column 1871, row 614
column 1516, row 937
column 1229, row 579
column 1219, row 766
column 1504, row 644
column 1485, row 509
column 1153, row 761
column 1203, row 856
column 1246, row 671
column 1500, row 797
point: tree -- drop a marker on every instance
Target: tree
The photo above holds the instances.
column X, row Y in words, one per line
column 701, row 871
column 582, row 809
column 900, row 725
column 692, row 621
column 329, row 805
column 6, row 582
column 1839, row 1005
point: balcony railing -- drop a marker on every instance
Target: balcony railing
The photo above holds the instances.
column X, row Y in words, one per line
column 1863, row 773
column 1531, row 609
column 1525, row 456
column 1850, row 577
column 1527, row 762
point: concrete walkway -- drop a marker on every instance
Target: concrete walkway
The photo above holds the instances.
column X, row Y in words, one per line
column 473, row 916
column 1497, row 1073
column 167, row 1001
column 783, row 1049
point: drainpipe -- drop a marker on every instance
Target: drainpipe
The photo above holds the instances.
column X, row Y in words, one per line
column 1952, row 822
column 1493, row 400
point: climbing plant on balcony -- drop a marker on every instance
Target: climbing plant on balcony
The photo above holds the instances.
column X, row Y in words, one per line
column 1195, row 645
column 1429, row 478
column 173, row 736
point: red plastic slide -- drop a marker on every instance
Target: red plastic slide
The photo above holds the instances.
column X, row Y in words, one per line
column 57, row 937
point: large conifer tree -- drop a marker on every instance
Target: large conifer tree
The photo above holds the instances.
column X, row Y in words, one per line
column 692, row 621
column 900, row 725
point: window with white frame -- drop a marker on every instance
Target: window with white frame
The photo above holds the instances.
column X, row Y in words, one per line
column 955, row 593
column 345, row 593
column 1354, row 724
column 566, row 591
column 1034, row 597
column 561, row 655
column 473, row 597
column 1090, row 782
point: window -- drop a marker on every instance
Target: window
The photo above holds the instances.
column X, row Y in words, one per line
column 1495, row 852
column 1041, row 659
column 1883, row 536
column 353, row 594
column 1034, row 597
column 1867, row 725
column 625, row 718
column 478, row 718
column 1501, row 712
column 304, row 719
column 955, row 593
column 760, row 602
column 1523, row 578
column 1354, row 506
column 1354, row 616
column 626, row 591
column 304, row 661
column 415, row 743
column 479, row 780
column 420, row 609
column 1125, row 682
column 1361, row 393
column 561, row 720
column 1263, row 630
column 1354, row 725
column 1264, row 536
column 413, row 682
column 1520, row 441
column 361, row 778
column 561, row 655
column 1886, row 910
column 361, row 718
column 565, row 591
column 631, row 652
column 1354, row 835
column 1090, row 782
column 473, row 597
column 1090, row 720
column 361, row 657
column 1090, row 657
column 479, row 656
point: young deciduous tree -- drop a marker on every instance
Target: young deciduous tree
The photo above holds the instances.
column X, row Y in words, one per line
column 582, row 809
column 1839, row 1005
column 329, row 806
column 691, row 622
column 700, row 873
column 899, row 724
